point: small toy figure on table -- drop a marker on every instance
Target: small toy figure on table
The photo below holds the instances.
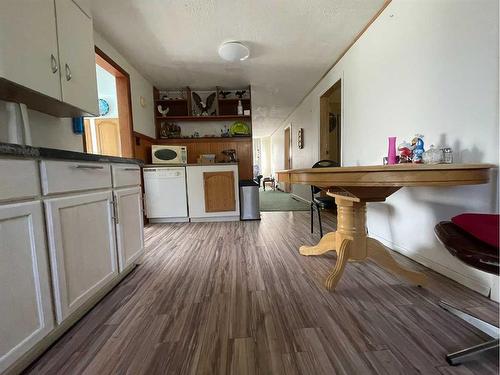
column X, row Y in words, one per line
column 418, row 148
column 405, row 152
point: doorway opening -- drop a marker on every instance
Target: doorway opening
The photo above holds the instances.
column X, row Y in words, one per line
column 111, row 133
column 331, row 123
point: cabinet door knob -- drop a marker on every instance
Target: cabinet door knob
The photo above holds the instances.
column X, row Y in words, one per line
column 68, row 72
column 53, row 64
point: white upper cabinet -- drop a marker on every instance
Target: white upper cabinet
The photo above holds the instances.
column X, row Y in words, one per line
column 77, row 56
column 28, row 45
column 47, row 46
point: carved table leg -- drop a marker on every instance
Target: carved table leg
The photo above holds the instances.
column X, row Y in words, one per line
column 342, row 257
column 326, row 244
column 379, row 253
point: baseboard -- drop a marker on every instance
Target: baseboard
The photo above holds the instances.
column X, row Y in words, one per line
column 169, row 220
column 465, row 280
column 216, row 218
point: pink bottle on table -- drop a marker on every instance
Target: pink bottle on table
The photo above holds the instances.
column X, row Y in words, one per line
column 391, row 154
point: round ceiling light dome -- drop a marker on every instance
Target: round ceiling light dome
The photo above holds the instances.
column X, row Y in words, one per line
column 234, row 51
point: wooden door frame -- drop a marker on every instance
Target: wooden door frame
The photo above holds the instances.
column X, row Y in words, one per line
column 124, row 102
column 287, row 186
column 324, row 120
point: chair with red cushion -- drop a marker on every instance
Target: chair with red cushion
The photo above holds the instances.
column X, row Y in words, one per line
column 472, row 238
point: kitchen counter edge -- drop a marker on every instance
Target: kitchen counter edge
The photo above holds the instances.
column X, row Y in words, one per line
column 30, row 152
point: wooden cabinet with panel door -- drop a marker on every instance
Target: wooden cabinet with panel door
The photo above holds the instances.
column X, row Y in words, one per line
column 25, row 298
column 213, row 192
column 219, row 191
column 82, row 249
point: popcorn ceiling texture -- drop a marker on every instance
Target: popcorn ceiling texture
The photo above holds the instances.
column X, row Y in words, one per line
column 293, row 43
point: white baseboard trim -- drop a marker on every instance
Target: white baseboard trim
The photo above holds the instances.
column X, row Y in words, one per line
column 169, row 220
column 465, row 280
column 216, row 218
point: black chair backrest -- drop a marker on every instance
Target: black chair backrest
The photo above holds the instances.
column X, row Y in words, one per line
column 323, row 164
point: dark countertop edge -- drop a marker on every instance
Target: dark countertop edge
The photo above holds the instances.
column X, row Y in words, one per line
column 30, row 152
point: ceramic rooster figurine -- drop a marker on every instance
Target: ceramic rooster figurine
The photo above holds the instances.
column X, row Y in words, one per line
column 162, row 111
column 204, row 106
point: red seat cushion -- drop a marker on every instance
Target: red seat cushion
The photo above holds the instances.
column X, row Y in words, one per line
column 484, row 227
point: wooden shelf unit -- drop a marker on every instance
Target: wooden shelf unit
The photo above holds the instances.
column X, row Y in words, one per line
column 181, row 111
column 205, row 118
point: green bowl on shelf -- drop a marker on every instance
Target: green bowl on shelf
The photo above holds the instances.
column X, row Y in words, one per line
column 239, row 128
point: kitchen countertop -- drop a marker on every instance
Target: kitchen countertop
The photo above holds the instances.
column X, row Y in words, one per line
column 30, row 152
column 187, row 165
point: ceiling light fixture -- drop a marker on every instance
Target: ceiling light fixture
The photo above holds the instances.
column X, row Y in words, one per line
column 234, row 51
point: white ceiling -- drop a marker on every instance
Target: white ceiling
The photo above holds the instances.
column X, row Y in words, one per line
column 292, row 44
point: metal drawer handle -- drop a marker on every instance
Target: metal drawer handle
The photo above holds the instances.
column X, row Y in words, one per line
column 53, row 63
column 68, row 72
column 82, row 166
column 130, row 169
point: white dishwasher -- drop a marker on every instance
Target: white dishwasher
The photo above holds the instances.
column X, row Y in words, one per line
column 165, row 194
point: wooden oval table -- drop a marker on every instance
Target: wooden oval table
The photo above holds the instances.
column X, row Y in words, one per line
column 353, row 187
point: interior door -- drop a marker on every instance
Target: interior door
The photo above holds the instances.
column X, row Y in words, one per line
column 108, row 136
column 25, row 300
column 28, row 45
column 219, row 191
column 288, row 160
column 129, row 225
column 76, row 51
column 82, row 248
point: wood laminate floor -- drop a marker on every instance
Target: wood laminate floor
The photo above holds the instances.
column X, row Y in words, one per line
column 237, row 298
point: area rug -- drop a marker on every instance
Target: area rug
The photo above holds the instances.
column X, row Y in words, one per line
column 278, row 201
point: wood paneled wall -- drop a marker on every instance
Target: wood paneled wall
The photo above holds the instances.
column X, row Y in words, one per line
column 195, row 147
column 142, row 147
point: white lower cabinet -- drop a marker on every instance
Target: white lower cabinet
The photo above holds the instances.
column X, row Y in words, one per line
column 129, row 225
column 81, row 235
column 25, row 299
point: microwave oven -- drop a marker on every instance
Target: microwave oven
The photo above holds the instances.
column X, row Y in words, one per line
column 165, row 154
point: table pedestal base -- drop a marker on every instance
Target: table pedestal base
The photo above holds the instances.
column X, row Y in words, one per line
column 351, row 243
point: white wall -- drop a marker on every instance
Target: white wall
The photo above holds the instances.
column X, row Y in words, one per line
column 143, row 117
column 46, row 130
column 106, row 89
column 428, row 67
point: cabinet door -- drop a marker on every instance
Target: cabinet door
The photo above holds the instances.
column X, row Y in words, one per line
column 219, row 191
column 77, row 57
column 129, row 225
column 82, row 248
column 28, row 45
column 25, row 300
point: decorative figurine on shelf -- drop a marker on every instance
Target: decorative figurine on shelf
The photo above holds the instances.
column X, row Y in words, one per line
column 240, row 94
column 405, row 152
column 418, row 148
column 224, row 94
column 224, row 133
column 433, row 155
column 162, row 111
column 169, row 130
column 204, row 106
